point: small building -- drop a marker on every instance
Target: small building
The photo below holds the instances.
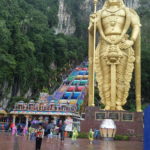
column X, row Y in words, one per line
column 4, row 119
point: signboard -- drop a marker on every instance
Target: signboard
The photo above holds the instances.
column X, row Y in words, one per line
column 69, row 123
column 113, row 116
column 100, row 115
column 127, row 117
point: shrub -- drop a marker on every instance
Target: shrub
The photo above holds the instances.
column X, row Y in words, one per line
column 82, row 135
column 121, row 137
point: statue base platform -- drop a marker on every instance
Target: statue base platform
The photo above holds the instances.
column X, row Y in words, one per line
column 128, row 123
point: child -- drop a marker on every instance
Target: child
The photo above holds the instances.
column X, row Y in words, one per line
column 74, row 135
column 91, row 136
column 50, row 135
column 31, row 133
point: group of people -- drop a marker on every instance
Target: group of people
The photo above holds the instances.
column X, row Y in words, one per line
column 53, row 132
column 18, row 129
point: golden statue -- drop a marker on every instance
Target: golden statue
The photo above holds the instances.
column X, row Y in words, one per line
column 116, row 54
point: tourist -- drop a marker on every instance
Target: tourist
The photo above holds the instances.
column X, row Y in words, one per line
column 56, row 132
column 74, row 135
column 96, row 134
column 62, row 130
column 14, row 129
column 51, row 125
column 39, row 135
column 25, row 129
column 91, row 136
column 50, row 135
column 19, row 129
column 31, row 133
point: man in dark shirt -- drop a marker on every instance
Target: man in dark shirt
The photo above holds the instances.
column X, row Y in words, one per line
column 39, row 135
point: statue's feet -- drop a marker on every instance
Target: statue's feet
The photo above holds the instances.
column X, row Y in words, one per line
column 107, row 108
column 119, row 108
column 139, row 110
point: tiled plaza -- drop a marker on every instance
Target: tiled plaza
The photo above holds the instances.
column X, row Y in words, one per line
column 8, row 142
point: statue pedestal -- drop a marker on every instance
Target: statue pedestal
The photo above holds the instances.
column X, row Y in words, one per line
column 128, row 123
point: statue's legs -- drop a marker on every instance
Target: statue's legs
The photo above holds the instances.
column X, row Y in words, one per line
column 106, row 83
column 120, row 80
column 124, row 69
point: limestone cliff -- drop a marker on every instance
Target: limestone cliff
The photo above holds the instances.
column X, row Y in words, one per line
column 67, row 23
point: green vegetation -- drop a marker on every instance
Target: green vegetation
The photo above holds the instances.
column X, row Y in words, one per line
column 144, row 13
column 16, row 99
column 121, row 137
column 80, row 135
column 32, row 56
column 83, row 135
column 81, row 23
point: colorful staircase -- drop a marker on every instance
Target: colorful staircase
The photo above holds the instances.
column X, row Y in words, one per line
column 66, row 100
column 73, row 89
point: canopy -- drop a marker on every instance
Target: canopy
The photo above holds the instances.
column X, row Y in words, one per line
column 2, row 111
column 84, row 69
column 78, row 68
column 85, row 77
column 79, row 76
column 53, row 102
column 82, row 72
column 69, row 101
column 50, row 98
column 58, row 94
column 83, row 82
column 67, row 95
column 73, row 102
column 75, row 82
column 75, row 95
column 81, row 68
column 70, row 78
column 63, row 101
column 71, row 88
column 74, row 73
column 80, row 88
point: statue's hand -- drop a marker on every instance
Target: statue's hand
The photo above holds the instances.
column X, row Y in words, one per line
column 92, row 21
column 126, row 44
column 93, row 17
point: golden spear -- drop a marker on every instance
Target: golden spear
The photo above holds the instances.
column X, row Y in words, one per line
column 94, row 47
column 92, row 61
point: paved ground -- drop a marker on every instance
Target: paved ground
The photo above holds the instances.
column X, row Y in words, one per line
column 8, row 142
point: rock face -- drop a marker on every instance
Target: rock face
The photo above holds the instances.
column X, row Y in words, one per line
column 7, row 91
column 132, row 3
column 5, row 94
column 66, row 24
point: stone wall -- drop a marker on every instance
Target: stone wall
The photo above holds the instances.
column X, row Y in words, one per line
column 132, row 127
